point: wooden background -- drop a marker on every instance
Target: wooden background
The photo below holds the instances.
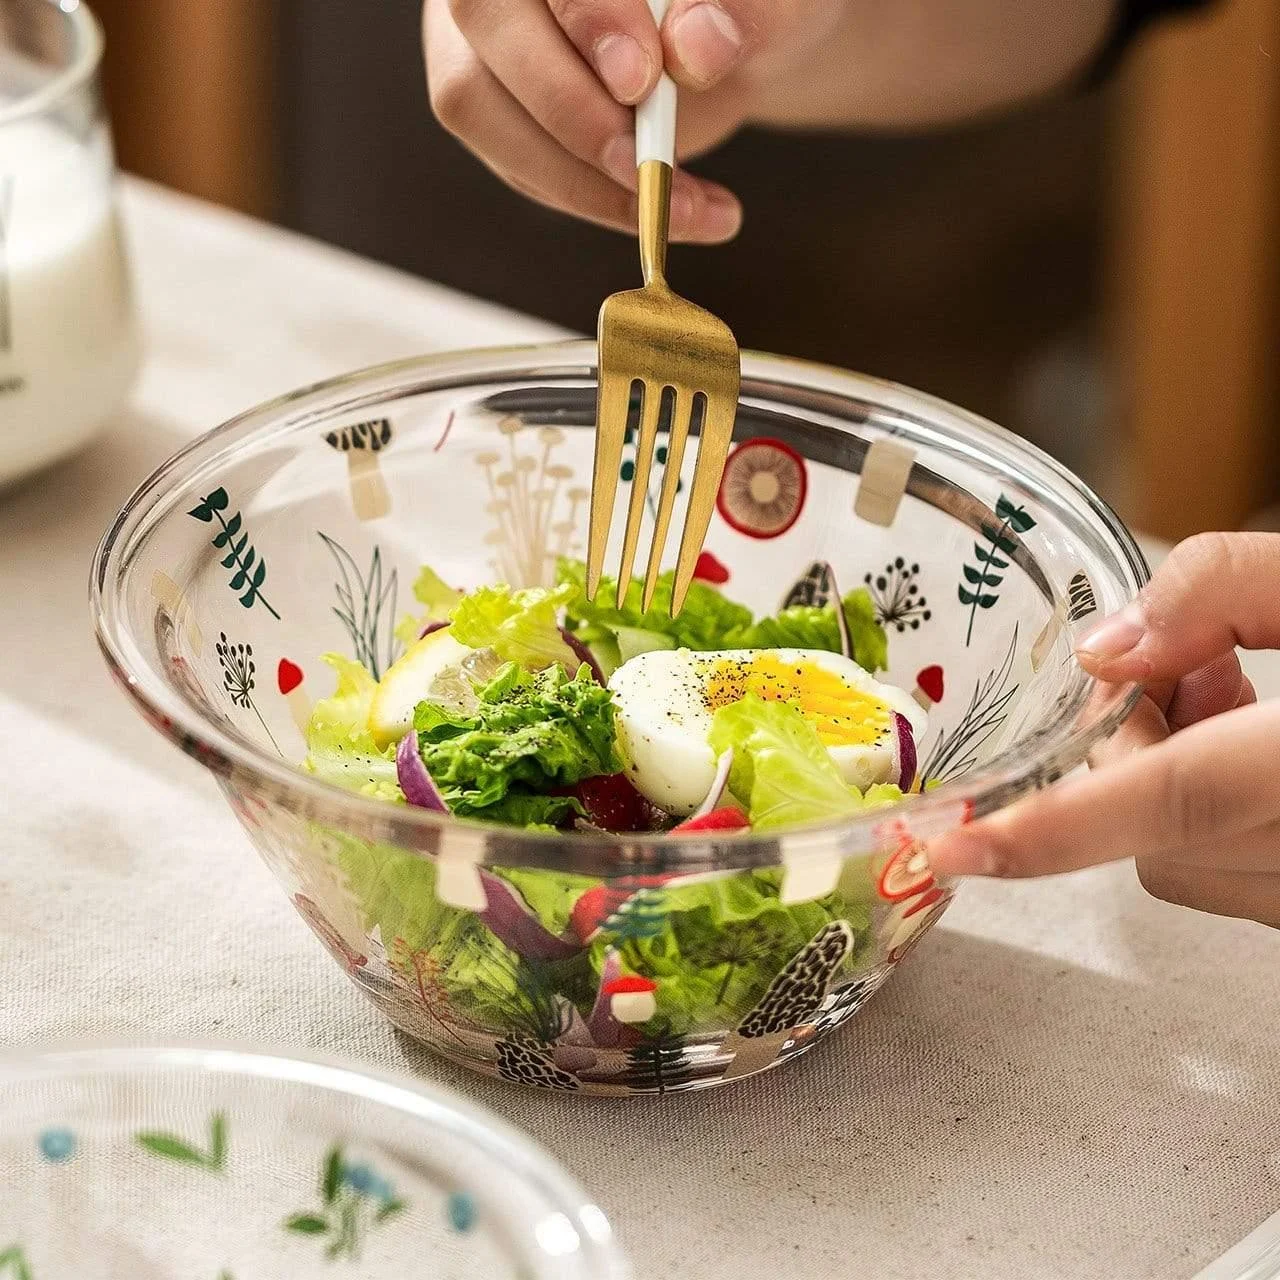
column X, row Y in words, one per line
column 1101, row 273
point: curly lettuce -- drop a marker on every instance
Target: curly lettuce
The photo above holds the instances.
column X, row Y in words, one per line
column 710, row 621
column 781, row 770
column 528, row 736
column 340, row 746
column 519, row 626
column 437, row 599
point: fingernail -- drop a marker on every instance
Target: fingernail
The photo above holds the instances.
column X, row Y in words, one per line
column 723, row 218
column 681, row 211
column 1114, row 637
column 623, row 66
column 619, row 161
column 707, row 42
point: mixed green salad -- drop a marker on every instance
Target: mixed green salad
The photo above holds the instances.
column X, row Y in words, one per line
column 540, row 710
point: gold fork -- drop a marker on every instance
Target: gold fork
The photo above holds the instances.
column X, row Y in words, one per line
column 653, row 337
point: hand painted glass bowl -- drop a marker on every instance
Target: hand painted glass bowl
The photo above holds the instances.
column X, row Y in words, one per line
column 216, row 1164
column 580, row 962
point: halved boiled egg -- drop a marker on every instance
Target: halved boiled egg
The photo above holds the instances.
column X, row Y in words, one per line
column 665, row 702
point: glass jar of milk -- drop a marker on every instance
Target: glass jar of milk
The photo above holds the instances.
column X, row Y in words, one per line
column 69, row 345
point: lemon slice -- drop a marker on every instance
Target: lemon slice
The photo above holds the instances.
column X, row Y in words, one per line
column 408, row 681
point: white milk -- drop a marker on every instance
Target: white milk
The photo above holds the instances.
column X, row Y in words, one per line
column 68, row 341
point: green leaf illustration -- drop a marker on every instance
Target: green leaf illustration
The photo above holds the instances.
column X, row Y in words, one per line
column 241, row 555
column 332, row 1179
column 17, row 1260
column 1015, row 517
column 389, row 1210
column 218, row 1140
column 307, row 1224
column 171, row 1147
column 983, row 577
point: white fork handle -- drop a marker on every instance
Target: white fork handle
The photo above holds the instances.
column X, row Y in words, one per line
column 656, row 116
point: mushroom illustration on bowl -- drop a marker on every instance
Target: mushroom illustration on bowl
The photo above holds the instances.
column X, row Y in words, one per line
column 631, row 999
column 763, row 489
column 362, row 443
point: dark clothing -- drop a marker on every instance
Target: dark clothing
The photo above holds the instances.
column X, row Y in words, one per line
column 1131, row 17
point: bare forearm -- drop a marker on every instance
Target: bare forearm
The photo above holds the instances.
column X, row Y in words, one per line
column 893, row 64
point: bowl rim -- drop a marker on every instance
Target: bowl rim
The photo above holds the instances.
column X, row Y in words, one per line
column 1051, row 750
column 432, row 1105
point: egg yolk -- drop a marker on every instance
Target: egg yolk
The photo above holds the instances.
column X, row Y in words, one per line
column 842, row 715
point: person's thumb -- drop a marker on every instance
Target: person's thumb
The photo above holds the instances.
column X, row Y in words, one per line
column 1215, row 591
column 705, row 40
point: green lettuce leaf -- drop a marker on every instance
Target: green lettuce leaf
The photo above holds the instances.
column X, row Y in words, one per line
column 807, row 627
column 437, row 600
column 782, row 771
column 710, row 621
column 519, row 626
column 718, row 943
column 529, row 735
column 340, row 747
column 722, row 944
column 705, row 619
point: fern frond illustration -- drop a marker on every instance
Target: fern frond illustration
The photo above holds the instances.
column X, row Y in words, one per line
column 366, row 607
column 250, row 568
column 957, row 752
column 985, row 577
column 660, row 1063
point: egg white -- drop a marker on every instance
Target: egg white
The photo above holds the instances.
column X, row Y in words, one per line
column 663, row 721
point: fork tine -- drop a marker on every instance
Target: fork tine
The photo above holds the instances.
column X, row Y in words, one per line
column 649, row 416
column 612, row 406
column 713, row 448
column 681, row 418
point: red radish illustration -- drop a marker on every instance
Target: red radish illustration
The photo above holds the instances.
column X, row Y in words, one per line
column 929, row 687
column 906, row 874
column 631, row 999
column 289, row 682
column 764, row 488
column 709, row 569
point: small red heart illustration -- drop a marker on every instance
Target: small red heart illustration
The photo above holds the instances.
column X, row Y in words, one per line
column 709, row 569
column 930, row 683
column 288, row 676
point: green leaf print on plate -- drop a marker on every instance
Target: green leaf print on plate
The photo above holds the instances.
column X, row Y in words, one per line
column 13, row 1265
column 170, row 1147
column 355, row 1199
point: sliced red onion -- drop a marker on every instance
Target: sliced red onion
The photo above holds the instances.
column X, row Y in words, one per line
column 433, row 627
column 417, row 784
column 583, row 654
column 606, row 1031
column 904, row 751
column 718, row 785
column 511, row 922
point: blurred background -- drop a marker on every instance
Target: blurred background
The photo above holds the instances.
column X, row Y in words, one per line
column 1100, row 273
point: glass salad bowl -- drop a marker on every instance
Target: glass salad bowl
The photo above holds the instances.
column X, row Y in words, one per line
column 217, row 1164
column 578, row 960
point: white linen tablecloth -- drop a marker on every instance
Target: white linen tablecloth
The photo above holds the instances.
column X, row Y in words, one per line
column 1068, row 1081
